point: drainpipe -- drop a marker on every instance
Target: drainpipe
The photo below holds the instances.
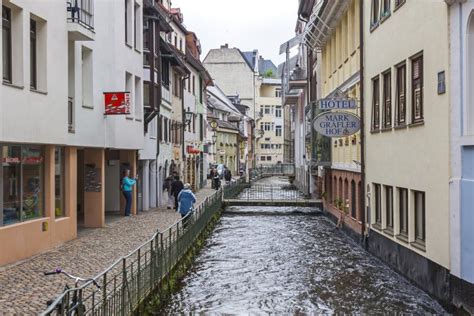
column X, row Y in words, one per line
column 183, row 120
column 362, row 124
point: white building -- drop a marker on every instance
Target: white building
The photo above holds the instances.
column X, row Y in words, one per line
column 61, row 156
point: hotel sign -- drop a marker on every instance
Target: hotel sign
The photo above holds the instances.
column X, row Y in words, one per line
column 337, row 124
column 337, row 104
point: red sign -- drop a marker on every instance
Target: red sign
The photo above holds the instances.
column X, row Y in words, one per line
column 192, row 150
column 117, row 103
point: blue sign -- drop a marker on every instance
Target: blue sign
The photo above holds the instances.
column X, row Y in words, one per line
column 337, row 124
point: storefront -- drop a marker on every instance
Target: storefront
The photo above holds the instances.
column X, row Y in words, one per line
column 35, row 214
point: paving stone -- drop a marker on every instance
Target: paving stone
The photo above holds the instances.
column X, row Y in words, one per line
column 23, row 287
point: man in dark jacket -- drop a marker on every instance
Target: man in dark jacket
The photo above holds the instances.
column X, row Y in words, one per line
column 227, row 174
column 176, row 188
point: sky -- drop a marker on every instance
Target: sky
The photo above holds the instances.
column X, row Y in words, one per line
column 245, row 24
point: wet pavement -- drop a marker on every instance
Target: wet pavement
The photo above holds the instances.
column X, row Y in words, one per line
column 295, row 263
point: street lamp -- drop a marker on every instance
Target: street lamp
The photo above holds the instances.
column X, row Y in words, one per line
column 188, row 116
column 214, row 139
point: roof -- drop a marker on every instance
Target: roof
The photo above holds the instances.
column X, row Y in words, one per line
column 175, row 56
column 265, row 65
column 226, row 125
column 219, row 101
column 249, row 58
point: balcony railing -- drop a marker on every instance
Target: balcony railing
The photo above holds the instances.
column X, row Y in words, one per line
column 81, row 12
column 70, row 115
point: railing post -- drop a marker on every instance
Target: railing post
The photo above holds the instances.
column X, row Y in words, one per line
column 124, row 284
column 104, row 294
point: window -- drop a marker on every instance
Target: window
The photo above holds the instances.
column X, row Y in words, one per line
column 33, row 54
column 375, row 14
column 59, row 187
column 166, row 130
column 267, row 126
column 138, row 99
column 87, row 78
column 417, row 89
column 278, row 111
column 419, row 216
column 378, row 204
column 269, row 158
column 399, row 3
column 278, row 93
column 146, row 94
column 387, row 100
column 375, row 103
column 403, row 211
column 389, row 207
column 263, row 158
column 278, row 130
column 6, row 44
column 401, row 95
column 126, row 20
column 165, row 73
column 385, row 8
column 268, row 109
column 23, row 183
column 181, row 44
column 194, row 85
column 176, row 85
column 136, row 34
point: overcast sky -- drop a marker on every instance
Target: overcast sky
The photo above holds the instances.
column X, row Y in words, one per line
column 245, row 24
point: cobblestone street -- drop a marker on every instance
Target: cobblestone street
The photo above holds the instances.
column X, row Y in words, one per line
column 24, row 287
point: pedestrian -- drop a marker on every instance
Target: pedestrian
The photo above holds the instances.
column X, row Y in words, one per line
column 212, row 175
column 186, row 200
column 176, row 188
column 127, row 184
column 167, row 188
column 227, row 174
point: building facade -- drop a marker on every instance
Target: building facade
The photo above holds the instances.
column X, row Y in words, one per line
column 62, row 169
column 407, row 139
column 459, row 81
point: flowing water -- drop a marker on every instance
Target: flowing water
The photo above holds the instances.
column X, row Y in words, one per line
column 291, row 261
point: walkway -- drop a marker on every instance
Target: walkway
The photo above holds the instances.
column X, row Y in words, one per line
column 23, row 287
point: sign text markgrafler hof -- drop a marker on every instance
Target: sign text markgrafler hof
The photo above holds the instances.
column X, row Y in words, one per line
column 337, row 124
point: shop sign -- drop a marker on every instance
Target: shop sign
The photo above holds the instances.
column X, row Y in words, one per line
column 117, row 103
column 11, row 160
column 337, row 124
column 192, row 150
column 337, row 104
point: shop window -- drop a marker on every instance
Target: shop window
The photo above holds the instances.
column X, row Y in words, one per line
column 419, row 216
column 22, row 178
column 59, row 176
column 403, row 211
column 401, row 96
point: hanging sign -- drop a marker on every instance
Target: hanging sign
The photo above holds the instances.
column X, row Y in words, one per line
column 337, row 124
column 337, row 104
column 117, row 103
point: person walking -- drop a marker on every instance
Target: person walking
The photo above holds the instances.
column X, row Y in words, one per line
column 186, row 200
column 176, row 188
column 227, row 174
column 127, row 184
column 167, row 188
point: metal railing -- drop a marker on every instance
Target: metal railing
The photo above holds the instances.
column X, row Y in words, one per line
column 271, row 193
column 232, row 190
column 283, row 169
column 127, row 283
column 81, row 12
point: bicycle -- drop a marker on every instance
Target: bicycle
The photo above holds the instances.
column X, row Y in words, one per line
column 76, row 307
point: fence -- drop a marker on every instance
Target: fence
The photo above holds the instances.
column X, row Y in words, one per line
column 130, row 280
column 231, row 191
column 284, row 169
column 270, row 192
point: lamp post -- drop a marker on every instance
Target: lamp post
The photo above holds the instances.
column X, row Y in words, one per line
column 188, row 117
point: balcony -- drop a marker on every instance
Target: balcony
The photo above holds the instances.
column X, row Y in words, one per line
column 298, row 78
column 80, row 17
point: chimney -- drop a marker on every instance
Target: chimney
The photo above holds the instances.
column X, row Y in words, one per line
column 225, row 46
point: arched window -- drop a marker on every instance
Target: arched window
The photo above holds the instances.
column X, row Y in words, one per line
column 353, row 199
column 341, row 195
column 346, row 192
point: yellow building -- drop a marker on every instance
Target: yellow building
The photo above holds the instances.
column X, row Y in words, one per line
column 339, row 78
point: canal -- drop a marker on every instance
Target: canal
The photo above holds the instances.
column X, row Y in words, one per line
column 290, row 260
